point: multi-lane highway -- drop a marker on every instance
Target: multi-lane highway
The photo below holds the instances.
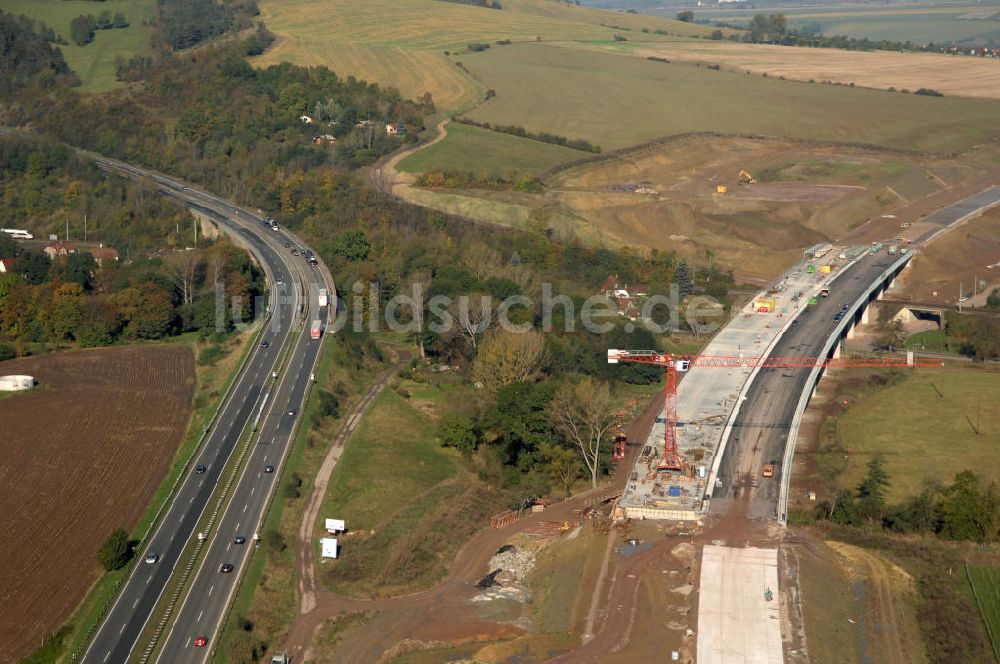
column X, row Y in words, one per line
column 273, row 401
column 761, row 430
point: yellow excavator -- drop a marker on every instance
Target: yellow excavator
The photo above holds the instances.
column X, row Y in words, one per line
column 746, row 178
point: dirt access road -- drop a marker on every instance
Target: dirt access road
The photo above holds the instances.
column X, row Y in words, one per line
column 386, row 178
column 441, row 612
column 80, row 456
column 307, row 554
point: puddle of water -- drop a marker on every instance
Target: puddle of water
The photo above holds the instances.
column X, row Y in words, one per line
column 632, row 549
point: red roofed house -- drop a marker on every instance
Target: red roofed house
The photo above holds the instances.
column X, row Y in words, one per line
column 59, row 248
column 103, row 254
column 626, row 298
column 6, row 265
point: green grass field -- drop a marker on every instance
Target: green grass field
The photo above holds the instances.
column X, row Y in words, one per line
column 616, row 101
column 986, row 582
column 936, row 341
column 401, row 42
column 922, row 435
column 471, row 149
column 94, row 63
column 408, row 502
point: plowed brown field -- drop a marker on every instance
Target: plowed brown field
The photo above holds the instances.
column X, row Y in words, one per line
column 79, row 456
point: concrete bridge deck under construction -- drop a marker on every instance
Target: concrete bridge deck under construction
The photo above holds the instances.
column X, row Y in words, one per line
column 707, row 396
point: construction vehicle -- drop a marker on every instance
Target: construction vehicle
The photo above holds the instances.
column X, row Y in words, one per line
column 768, row 470
column 720, row 189
column 674, row 364
column 746, row 178
column 618, row 447
column 763, row 305
column 280, row 658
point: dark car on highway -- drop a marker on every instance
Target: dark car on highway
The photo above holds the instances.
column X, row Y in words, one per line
column 239, row 539
column 226, row 568
column 200, row 468
column 268, row 468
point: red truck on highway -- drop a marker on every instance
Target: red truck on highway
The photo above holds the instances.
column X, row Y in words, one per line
column 316, row 330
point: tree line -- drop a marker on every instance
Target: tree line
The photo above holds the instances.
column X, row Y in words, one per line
column 83, row 27
column 544, row 137
column 966, row 509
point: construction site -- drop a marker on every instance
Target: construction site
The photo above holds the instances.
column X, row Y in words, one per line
column 678, row 466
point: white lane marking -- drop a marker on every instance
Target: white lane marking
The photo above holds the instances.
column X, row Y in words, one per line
column 149, row 578
column 229, row 546
column 245, row 507
column 124, row 625
column 188, row 642
column 251, row 490
column 210, row 591
column 136, row 603
column 106, row 656
column 198, row 619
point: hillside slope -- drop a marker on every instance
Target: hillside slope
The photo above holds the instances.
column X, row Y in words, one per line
column 402, row 42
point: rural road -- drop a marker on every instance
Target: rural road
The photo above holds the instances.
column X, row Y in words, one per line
column 307, row 547
column 254, row 394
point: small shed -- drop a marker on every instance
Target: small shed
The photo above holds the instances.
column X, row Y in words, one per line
column 328, row 547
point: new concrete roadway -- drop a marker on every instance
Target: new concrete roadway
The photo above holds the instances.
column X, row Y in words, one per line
column 760, row 431
column 293, row 286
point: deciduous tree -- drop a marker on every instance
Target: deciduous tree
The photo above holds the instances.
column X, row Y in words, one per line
column 506, row 357
column 582, row 413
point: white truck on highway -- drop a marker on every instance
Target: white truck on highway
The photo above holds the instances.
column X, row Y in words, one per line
column 323, row 299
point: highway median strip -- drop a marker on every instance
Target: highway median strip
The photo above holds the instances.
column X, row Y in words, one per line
column 220, row 496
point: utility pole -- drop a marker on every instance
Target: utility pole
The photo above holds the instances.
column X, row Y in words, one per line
column 960, row 297
column 67, row 229
column 84, row 226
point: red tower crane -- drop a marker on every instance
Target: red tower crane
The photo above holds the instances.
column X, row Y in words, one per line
column 675, row 364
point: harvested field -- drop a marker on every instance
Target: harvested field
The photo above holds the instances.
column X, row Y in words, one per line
column 81, row 456
column 548, row 88
column 401, row 42
column 958, row 76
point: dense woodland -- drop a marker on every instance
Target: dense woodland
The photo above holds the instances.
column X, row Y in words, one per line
column 28, row 57
column 152, row 292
